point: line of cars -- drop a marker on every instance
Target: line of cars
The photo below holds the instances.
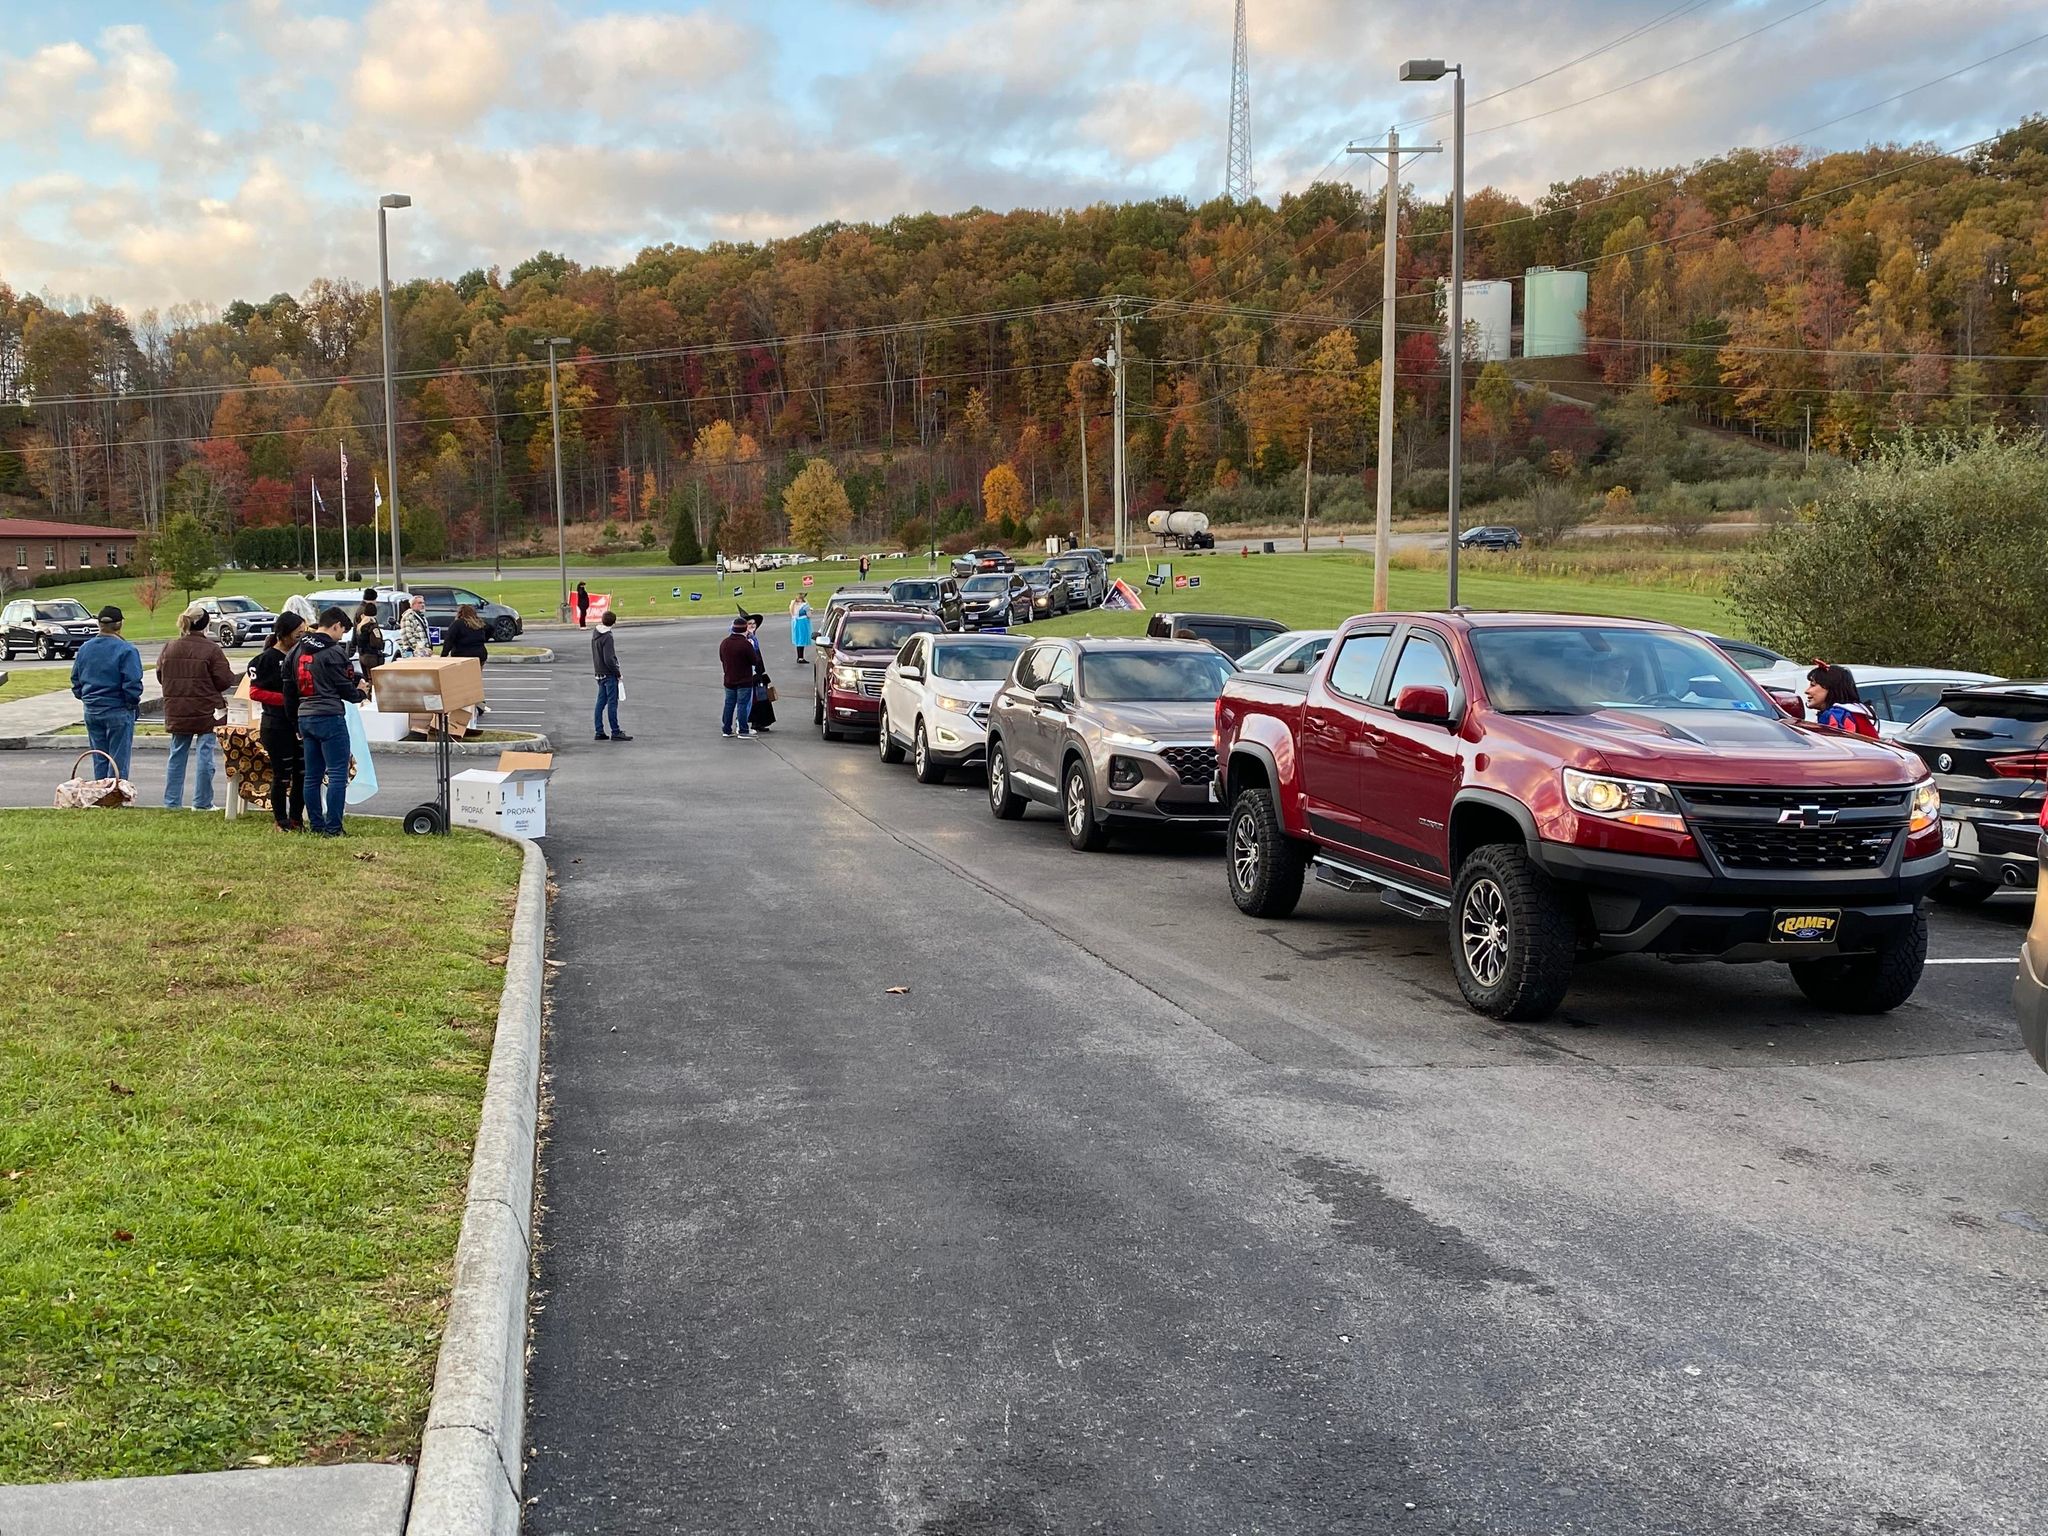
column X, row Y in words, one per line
column 1555, row 788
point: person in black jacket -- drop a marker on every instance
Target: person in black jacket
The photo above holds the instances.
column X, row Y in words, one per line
column 468, row 636
column 368, row 642
column 326, row 683
column 582, row 605
column 272, row 686
column 604, row 660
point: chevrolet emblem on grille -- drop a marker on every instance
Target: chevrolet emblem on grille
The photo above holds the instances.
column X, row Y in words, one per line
column 1807, row 816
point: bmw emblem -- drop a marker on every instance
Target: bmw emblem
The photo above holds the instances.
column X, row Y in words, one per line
column 1944, row 762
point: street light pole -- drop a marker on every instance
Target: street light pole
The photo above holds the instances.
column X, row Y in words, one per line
column 384, row 205
column 1435, row 69
column 561, row 524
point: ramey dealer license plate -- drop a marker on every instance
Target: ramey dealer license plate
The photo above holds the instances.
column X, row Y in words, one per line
column 1794, row 927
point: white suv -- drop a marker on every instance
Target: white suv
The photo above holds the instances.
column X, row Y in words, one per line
column 935, row 698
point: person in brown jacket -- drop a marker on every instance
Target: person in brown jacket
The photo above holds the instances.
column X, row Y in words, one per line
column 196, row 675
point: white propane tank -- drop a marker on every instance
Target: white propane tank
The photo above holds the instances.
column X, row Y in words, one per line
column 1177, row 524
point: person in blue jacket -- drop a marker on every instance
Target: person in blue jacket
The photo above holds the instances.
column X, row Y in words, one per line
column 106, row 676
column 800, row 625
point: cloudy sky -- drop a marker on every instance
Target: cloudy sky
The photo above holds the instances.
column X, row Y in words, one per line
column 186, row 151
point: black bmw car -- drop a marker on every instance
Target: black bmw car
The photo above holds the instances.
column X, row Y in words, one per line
column 1987, row 747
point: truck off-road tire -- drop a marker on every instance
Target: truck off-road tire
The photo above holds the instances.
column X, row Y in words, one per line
column 885, row 744
column 1875, row 983
column 1954, row 892
column 826, row 728
column 1085, row 834
column 1512, row 936
column 1264, row 864
column 1003, row 801
column 928, row 769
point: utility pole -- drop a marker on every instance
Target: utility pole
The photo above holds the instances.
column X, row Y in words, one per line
column 561, row 522
column 1308, row 478
column 1085, row 539
column 1383, row 477
column 1117, row 362
column 344, row 506
column 313, row 515
column 384, row 205
column 1807, row 443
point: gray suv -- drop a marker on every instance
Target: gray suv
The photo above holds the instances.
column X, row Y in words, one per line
column 504, row 623
column 1108, row 731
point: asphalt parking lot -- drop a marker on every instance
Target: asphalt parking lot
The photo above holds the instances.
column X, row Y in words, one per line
column 1133, row 1214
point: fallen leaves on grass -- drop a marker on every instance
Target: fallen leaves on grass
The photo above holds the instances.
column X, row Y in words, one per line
column 120, row 1090
column 898, row 991
column 366, row 857
column 123, row 1235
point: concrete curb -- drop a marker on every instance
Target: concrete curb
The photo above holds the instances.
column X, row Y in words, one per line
column 533, row 742
column 545, row 659
column 469, row 1478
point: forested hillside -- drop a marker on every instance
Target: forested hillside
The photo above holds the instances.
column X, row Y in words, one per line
column 1878, row 289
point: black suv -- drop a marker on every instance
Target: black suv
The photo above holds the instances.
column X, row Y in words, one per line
column 1987, row 746
column 995, row 601
column 1490, row 537
column 52, row 627
column 934, row 594
column 504, row 623
column 1050, row 595
column 980, row 561
column 1230, row 634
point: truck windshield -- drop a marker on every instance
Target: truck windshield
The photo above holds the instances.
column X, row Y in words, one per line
column 1132, row 677
column 975, row 661
column 1582, row 670
column 914, row 591
column 882, row 634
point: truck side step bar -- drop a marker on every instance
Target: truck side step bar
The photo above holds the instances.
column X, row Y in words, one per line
column 1410, row 900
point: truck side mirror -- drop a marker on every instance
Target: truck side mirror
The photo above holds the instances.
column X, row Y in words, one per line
column 1421, row 702
column 1788, row 701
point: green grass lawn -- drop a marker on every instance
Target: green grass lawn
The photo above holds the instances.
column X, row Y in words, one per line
column 29, row 685
column 1301, row 589
column 1321, row 590
column 239, row 1107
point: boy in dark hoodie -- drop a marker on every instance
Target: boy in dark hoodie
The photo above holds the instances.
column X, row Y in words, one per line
column 325, row 683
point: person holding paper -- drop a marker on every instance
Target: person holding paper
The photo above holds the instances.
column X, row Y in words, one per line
column 604, row 660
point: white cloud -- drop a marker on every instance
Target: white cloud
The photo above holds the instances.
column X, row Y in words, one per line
column 620, row 59
column 37, row 91
column 139, row 96
column 435, row 65
column 1140, row 121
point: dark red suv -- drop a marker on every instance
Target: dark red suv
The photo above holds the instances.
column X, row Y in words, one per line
column 1562, row 785
column 852, row 655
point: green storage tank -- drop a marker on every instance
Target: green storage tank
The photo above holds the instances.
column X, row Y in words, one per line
column 1553, row 313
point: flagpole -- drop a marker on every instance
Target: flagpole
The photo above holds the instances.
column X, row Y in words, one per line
column 377, row 529
column 344, row 506
column 313, row 511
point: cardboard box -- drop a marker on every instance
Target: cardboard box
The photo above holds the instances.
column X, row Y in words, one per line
column 242, row 708
column 429, row 726
column 511, row 798
column 427, row 685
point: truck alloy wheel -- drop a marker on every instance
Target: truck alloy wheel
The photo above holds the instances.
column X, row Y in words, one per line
column 1265, row 865
column 1512, row 936
column 1005, row 803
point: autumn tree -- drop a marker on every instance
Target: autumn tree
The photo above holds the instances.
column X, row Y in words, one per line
column 184, row 553
column 816, row 505
column 1002, row 496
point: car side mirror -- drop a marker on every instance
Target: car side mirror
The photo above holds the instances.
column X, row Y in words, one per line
column 1421, row 702
column 1788, row 701
column 1054, row 695
column 911, row 674
column 1292, row 664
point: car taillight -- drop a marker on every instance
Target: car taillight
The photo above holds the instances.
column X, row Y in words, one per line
column 2021, row 765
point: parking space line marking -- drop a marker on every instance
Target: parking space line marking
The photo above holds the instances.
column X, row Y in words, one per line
column 1999, row 960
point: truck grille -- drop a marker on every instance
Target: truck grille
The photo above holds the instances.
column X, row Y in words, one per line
column 1195, row 765
column 1769, row 847
column 871, row 682
column 1706, row 799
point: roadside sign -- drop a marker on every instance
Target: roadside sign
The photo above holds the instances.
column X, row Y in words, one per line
column 782, row 586
column 675, row 591
column 1194, row 581
column 807, row 583
column 739, row 591
column 1180, row 581
column 696, row 597
column 599, row 603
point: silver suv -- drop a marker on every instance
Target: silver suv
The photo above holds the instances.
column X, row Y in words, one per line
column 1108, row 731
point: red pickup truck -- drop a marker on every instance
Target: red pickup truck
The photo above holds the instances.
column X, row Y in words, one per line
column 1565, row 786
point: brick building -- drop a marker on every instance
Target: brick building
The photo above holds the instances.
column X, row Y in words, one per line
column 30, row 547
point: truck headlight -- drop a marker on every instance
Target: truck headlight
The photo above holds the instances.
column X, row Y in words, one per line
column 845, row 677
column 1636, row 802
column 1926, row 806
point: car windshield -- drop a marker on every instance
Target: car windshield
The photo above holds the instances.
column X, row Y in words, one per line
column 61, row 613
column 914, row 591
column 861, row 634
column 1278, row 646
column 983, row 585
column 975, row 661
column 1582, row 670
column 239, row 605
column 1161, row 676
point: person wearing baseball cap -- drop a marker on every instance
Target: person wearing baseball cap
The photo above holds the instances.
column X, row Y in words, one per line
column 106, row 676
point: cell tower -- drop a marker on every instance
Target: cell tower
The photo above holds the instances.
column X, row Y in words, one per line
column 1237, row 177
